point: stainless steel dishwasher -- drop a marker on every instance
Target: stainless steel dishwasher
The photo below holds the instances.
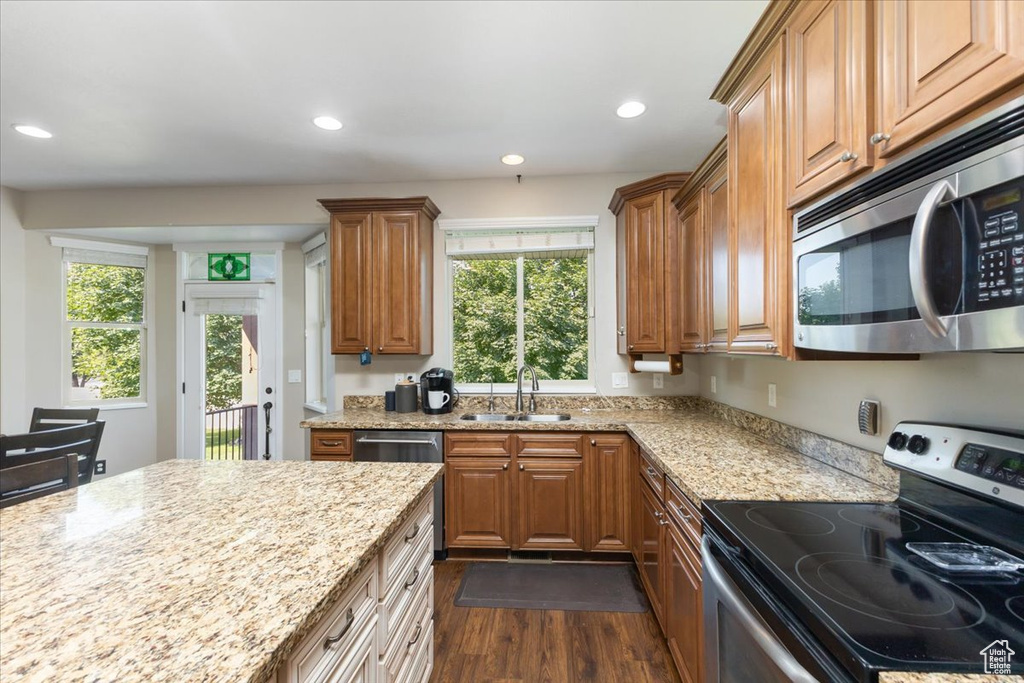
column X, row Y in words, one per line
column 381, row 446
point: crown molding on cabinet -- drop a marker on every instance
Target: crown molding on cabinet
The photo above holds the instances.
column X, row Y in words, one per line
column 764, row 34
column 665, row 181
column 370, row 204
column 701, row 174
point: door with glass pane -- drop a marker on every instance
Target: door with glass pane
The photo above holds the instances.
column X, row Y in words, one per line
column 230, row 392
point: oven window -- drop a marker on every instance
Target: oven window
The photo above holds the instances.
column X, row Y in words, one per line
column 866, row 278
column 741, row 659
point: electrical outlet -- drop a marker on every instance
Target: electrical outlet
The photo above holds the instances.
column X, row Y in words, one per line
column 771, row 394
column 620, row 380
column 714, row 384
column 294, row 376
column 659, row 380
column 399, row 376
column 100, row 467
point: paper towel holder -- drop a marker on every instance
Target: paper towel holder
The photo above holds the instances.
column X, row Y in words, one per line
column 675, row 363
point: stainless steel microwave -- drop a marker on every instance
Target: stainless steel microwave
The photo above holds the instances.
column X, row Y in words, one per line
column 925, row 255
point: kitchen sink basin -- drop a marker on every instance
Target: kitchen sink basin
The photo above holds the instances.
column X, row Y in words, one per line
column 552, row 417
column 489, row 417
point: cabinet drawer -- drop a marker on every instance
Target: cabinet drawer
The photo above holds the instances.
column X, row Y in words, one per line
column 400, row 548
column 549, row 445
column 653, row 475
column 424, row 664
column 415, row 633
column 479, row 444
column 360, row 664
column 330, row 442
column 396, row 603
column 683, row 512
column 315, row 657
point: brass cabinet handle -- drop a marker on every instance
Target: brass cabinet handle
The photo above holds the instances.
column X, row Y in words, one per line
column 848, row 156
column 330, row 444
column 879, row 138
column 415, row 577
column 593, row 442
column 419, row 629
column 415, row 532
column 350, row 619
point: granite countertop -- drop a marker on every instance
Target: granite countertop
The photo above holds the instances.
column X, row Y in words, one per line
column 190, row 570
column 707, row 457
column 907, row 677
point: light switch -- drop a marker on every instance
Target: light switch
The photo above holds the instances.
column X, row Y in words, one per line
column 294, row 376
column 620, row 380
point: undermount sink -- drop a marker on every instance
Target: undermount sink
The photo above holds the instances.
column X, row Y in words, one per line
column 489, row 417
column 552, row 417
column 513, row 417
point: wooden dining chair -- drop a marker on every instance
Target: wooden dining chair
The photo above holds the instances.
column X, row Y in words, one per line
column 46, row 419
column 39, row 463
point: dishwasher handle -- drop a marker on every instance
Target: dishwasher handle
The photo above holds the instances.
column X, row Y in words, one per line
column 418, row 442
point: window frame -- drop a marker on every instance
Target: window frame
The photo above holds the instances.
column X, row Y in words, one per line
column 142, row 400
column 316, row 365
column 547, row 386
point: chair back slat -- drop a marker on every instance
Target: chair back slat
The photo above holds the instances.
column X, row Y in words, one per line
column 19, row 483
column 55, row 418
column 41, row 425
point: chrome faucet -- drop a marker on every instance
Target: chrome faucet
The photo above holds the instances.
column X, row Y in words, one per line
column 490, row 401
column 519, row 388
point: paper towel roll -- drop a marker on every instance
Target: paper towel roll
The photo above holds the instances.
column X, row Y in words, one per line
column 652, row 366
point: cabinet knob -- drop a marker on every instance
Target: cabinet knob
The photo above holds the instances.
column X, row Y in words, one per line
column 631, row 346
column 848, row 156
column 879, row 138
column 593, row 442
column 380, row 349
column 522, row 467
column 622, row 330
column 771, row 346
column 505, row 466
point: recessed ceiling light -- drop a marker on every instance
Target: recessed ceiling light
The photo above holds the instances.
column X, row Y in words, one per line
column 32, row 131
column 327, row 123
column 512, row 159
column 631, row 110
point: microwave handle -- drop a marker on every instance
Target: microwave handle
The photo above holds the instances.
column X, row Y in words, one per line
column 940, row 192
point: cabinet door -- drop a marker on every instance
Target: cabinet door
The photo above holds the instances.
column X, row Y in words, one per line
column 683, row 607
column 351, row 294
column 691, row 267
column 755, row 211
column 652, row 566
column 478, row 502
column 396, row 289
column 717, row 278
column 645, row 274
column 635, row 504
column 941, row 59
column 550, row 505
column 828, row 81
column 606, row 513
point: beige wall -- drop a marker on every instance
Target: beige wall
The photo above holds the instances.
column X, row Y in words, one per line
column 291, row 396
column 12, row 314
column 823, row 396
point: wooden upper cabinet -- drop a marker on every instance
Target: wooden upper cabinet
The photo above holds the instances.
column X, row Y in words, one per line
column 939, row 60
column 646, row 224
column 381, row 275
column 717, row 277
column 692, row 332
column 758, row 240
column 828, row 49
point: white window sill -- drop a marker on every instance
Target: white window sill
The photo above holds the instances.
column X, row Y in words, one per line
column 316, row 407
column 109, row 406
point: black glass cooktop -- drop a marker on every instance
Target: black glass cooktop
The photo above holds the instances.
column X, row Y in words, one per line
column 845, row 572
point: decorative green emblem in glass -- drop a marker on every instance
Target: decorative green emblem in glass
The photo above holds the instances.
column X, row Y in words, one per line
column 228, row 266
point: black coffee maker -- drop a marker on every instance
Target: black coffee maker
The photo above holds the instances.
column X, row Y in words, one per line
column 437, row 389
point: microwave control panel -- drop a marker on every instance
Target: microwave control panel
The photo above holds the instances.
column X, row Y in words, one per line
column 1000, row 277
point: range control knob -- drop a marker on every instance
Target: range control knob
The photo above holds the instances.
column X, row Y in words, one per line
column 898, row 441
column 918, row 444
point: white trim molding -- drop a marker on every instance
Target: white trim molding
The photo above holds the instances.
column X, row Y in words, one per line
column 95, row 245
column 526, row 223
column 206, row 247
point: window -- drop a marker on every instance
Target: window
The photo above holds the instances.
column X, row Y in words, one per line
column 316, row 322
column 521, row 296
column 104, row 322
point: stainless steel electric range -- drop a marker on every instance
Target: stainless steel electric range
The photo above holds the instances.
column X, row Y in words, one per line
column 932, row 582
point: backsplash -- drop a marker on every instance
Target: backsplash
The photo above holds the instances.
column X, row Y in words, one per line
column 552, row 403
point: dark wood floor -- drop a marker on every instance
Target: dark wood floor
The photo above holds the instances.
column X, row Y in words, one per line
column 482, row 644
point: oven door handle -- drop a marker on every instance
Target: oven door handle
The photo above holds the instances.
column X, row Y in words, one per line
column 940, row 192
column 769, row 644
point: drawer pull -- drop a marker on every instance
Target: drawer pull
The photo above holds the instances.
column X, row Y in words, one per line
column 419, row 630
column 679, row 511
column 350, row 619
column 879, row 138
column 330, row 444
column 415, row 577
column 651, row 472
column 848, row 156
column 415, row 532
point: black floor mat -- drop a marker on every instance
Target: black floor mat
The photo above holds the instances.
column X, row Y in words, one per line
column 571, row 587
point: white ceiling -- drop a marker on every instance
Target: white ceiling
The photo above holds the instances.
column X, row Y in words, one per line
column 199, row 93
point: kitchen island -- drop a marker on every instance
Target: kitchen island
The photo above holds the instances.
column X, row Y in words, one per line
column 191, row 570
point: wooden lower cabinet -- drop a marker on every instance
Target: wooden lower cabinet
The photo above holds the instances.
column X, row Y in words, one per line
column 684, row 614
column 478, row 502
column 550, row 505
column 330, row 444
column 652, row 550
column 606, row 513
